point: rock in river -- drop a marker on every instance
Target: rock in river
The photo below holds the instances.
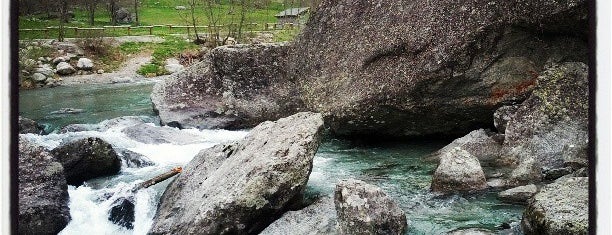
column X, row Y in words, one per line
column 365, row 209
column 458, row 171
column 318, row 218
column 87, row 159
column 519, row 194
column 43, row 193
column 559, row 208
column 479, row 143
column 242, row 187
column 27, row 125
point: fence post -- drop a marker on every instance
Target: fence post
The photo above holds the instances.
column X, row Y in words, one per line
column 150, row 30
column 47, row 33
column 76, row 32
column 129, row 30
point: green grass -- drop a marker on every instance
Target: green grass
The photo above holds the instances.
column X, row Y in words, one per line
column 152, row 12
column 171, row 47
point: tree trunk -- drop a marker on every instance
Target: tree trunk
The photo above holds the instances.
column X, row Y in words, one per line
column 136, row 12
column 158, row 179
column 63, row 13
column 112, row 8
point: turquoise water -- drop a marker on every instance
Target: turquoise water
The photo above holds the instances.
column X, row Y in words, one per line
column 396, row 167
column 98, row 102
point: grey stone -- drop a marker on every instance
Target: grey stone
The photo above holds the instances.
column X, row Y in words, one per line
column 42, row 191
column 471, row 231
column 240, row 188
column 458, row 172
column 45, row 69
column 519, row 194
column 64, row 68
column 85, row 64
column 502, row 116
column 60, row 59
column 87, row 159
column 365, row 209
column 122, row 80
column 132, row 159
column 554, row 118
column 479, row 143
column 27, row 125
column 559, row 208
column 318, row 218
column 39, row 77
column 180, row 8
column 234, row 87
column 150, row 134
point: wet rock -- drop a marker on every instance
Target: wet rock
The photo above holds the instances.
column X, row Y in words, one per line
column 64, row 68
column 42, row 190
column 479, row 143
column 27, row 125
column 554, row 118
column 150, row 134
column 233, row 87
column 365, row 209
column 458, row 171
column 471, row 231
column 133, row 159
column 245, row 185
column 318, row 218
column 122, row 212
column 559, row 208
column 85, row 64
column 87, row 159
column 122, row 80
column 68, row 111
column 519, row 194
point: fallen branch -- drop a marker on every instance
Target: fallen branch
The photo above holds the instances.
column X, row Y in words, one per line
column 122, row 211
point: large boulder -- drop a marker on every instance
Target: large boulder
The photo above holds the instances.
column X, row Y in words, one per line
column 479, row 143
column 86, row 159
column 365, row 209
column 559, row 208
column 27, row 125
column 242, row 187
column 458, row 171
column 317, row 218
column 550, row 128
column 42, row 191
column 408, row 68
column 428, row 67
column 233, row 87
column 123, row 16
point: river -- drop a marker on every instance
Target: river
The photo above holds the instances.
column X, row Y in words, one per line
column 394, row 166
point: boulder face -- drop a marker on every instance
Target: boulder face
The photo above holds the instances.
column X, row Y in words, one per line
column 318, row 218
column 412, row 68
column 43, row 192
column 233, row 87
column 87, row 159
column 550, row 128
column 559, row 208
column 27, row 125
column 458, row 171
column 365, row 209
column 479, row 143
column 211, row 196
column 150, row 134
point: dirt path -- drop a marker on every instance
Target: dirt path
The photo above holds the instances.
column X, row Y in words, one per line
column 125, row 74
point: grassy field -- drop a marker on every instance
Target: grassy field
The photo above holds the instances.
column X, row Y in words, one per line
column 152, row 12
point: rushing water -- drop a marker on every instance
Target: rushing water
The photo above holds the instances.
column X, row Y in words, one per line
column 395, row 167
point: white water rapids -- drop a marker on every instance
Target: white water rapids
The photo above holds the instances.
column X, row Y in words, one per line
column 89, row 209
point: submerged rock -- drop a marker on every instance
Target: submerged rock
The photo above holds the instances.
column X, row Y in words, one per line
column 471, row 231
column 242, row 187
column 87, row 159
column 27, row 125
column 316, row 219
column 479, row 143
column 150, row 134
column 42, row 190
column 458, row 171
column 233, row 87
column 551, row 125
column 133, row 159
column 559, row 208
column 365, row 209
column 519, row 194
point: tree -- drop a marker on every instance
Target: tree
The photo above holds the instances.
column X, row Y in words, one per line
column 214, row 14
column 91, row 6
column 112, row 9
column 63, row 9
column 136, row 12
column 192, row 18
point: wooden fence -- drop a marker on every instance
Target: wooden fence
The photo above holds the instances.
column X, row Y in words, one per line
column 171, row 28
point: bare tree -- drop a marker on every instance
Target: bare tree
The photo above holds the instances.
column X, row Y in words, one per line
column 63, row 9
column 214, row 14
column 136, row 11
column 91, row 6
column 112, row 9
column 192, row 18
